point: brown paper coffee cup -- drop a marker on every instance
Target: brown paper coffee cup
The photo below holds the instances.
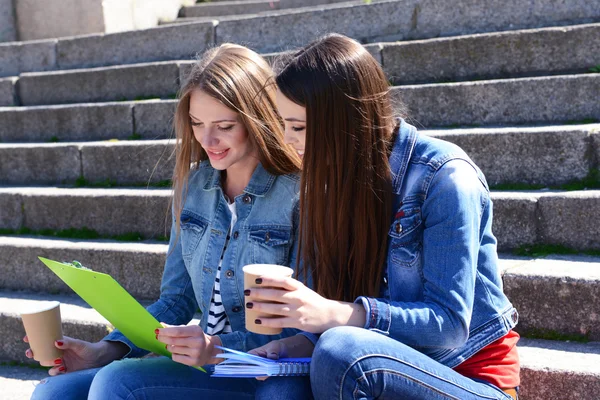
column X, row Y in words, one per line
column 43, row 327
column 251, row 272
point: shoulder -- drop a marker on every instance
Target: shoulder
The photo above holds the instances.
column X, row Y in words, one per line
column 286, row 184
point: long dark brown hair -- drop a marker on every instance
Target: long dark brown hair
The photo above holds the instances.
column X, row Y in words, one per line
column 346, row 190
column 239, row 78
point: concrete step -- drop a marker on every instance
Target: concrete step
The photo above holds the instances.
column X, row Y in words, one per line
column 137, row 266
column 8, row 92
column 542, row 100
column 551, row 155
column 397, row 20
column 151, row 119
column 553, row 370
column 220, row 8
column 555, row 295
column 139, row 162
column 549, row 369
column 520, row 218
column 19, row 381
column 533, row 52
column 108, row 212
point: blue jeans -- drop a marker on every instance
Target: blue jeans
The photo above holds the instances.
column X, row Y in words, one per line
column 161, row 378
column 355, row 363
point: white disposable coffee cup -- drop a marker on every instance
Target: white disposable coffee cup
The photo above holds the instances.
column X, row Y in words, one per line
column 251, row 273
column 43, row 327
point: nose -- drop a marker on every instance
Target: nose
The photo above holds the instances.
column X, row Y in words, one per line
column 209, row 138
column 290, row 137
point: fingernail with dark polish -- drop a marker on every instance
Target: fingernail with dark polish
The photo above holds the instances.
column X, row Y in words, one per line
column 258, row 281
column 60, row 343
column 249, row 305
column 247, row 292
column 257, row 321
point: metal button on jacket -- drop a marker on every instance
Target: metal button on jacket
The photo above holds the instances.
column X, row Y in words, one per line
column 267, row 237
column 236, row 234
column 247, row 199
column 229, row 273
column 236, row 309
column 398, row 228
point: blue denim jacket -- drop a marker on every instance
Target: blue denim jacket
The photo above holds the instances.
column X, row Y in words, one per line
column 442, row 291
column 265, row 232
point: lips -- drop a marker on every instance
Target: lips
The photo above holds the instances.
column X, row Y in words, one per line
column 217, row 154
column 300, row 153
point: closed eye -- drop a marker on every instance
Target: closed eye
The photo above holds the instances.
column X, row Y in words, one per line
column 226, row 128
column 196, row 123
column 298, row 128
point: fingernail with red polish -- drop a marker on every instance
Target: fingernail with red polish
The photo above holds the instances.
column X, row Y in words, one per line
column 249, row 305
column 156, row 337
column 60, row 343
column 258, row 281
column 58, row 361
column 257, row 321
column 62, row 369
column 247, row 292
column 156, row 331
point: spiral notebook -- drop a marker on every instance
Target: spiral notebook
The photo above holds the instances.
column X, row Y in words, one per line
column 238, row 364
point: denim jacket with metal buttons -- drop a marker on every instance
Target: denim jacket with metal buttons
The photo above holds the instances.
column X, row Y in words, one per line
column 265, row 232
column 442, row 290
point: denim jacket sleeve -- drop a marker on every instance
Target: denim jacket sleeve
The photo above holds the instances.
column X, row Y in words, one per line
column 245, row 341
column 177, row 303
column 451, row 213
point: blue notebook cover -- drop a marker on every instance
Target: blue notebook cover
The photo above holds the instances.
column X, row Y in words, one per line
column 237, row 364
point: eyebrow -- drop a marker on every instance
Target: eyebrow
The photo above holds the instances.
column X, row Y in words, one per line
column 294, row 120
column 216, row 122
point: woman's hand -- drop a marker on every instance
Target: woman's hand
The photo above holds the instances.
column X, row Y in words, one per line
column 293, row 346
column 300, row 307
column 79, row 354
column 189, row 344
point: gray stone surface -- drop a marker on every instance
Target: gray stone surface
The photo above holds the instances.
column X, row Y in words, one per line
column 117, row 83
column 78, row 321
column 557, row 293
column 18, row 382
column 11, row 211
column 511, row 101
column 132, row 162
column 154, row 118
column 559, row 370
column 7, row 92
column 66, row 122
column 515, row 219
column 185, row 67
column 571, row 219
column 34, row 164
column 136, row 266
column 156, row 44
column 399, row 20
column 106, row 211
column 229, row 8
column 495, row 55
column 17, row 57
column 8, row 27
column 595, row 155
column 540, row 155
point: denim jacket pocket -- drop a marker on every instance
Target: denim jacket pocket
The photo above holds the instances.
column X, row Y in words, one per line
column 192, row 230
column 405, row 237
column 270, row 244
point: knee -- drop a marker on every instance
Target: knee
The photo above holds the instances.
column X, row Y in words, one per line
column 109, row 382
column 335, row 346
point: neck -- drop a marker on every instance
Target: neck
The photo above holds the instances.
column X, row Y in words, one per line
column 237, row 177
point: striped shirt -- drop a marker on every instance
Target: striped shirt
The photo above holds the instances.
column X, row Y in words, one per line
column 218, row 322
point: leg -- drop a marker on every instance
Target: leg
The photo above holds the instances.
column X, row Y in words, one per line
column 285, row 388
column 355, row 363
column 70, row 386
column 161, row 378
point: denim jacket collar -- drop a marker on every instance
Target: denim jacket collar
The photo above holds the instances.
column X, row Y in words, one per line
column 404, row 145
column 260, row 182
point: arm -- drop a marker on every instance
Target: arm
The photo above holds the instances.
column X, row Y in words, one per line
column 177, row 302
column 452, row 216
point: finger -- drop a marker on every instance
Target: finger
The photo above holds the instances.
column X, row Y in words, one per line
column 28, row 353
column 26, row 339
column 184, row 359
column 59, row 370
column 197, row 341
column 49, row 363
column 278, row 322
column 280, row 282
column 181, row 331
column 281, row 296
column 68, row 343
column 271, row 308
column 262, row 378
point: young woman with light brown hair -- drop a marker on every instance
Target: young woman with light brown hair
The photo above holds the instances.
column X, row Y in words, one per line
column 235, row 203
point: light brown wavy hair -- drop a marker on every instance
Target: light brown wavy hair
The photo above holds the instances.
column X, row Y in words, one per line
column 346, row 185
column 241, row 80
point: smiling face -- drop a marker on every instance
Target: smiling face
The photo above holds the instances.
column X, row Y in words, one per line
column 221, row 133
column 294, row 120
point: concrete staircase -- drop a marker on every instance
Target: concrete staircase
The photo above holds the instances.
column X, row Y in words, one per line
column 84, row 152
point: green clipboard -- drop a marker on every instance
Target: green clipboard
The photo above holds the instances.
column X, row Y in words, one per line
column 114, row 303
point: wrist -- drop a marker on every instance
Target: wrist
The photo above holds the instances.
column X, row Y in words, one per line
column 213, row 342
column 347, row 314
column 110, row 351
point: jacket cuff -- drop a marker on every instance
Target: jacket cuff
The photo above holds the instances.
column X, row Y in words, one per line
column 232, row 340
column 134, row 351
column 378, row 314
